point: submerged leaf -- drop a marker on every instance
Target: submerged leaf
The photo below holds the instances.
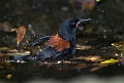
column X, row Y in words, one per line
column 9, row 76
column 20, row 33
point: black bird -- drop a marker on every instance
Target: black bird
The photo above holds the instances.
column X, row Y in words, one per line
column 63, row 43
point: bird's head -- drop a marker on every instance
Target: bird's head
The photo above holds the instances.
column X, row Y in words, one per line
column 68, row 28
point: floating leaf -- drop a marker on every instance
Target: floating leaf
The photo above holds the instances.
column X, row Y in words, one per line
column 110, row 61
column 19, row 53
column 98, row 0
column 119, row 45
column 5, row 48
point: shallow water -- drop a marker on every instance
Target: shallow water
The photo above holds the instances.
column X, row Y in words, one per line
column 97, row 59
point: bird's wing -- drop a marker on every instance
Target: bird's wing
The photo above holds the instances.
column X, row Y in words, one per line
column 38, row 41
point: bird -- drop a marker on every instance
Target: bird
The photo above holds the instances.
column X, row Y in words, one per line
column 62, row 43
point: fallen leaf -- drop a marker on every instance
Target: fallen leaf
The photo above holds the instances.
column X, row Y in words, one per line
column 110, row 61
column 20, row 33
column 9, row 76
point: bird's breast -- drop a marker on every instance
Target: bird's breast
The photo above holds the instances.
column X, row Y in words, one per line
column 58, row 43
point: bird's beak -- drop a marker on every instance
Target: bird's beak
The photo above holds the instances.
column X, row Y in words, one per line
column 82, row 20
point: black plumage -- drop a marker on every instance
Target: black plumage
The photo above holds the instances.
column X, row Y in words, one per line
column 63, row 43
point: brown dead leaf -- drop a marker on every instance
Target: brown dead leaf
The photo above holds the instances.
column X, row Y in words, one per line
column 21, row 31
column 87, row 4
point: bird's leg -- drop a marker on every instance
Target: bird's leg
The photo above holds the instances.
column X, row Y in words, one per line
column 38, row 41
